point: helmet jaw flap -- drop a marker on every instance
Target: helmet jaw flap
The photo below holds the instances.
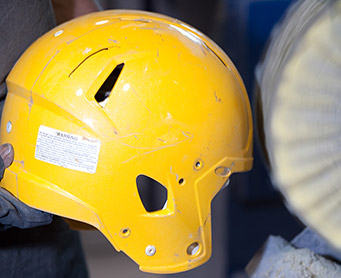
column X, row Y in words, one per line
column 122, row 103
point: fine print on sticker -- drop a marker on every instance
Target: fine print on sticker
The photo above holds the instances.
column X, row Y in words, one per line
column 67, row 150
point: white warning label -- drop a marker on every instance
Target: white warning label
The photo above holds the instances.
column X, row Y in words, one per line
column 67, row 150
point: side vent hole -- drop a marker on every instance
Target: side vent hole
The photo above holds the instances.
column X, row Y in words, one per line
column 153, row 195
column 104, row 92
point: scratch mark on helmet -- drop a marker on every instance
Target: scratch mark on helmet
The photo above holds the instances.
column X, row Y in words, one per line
column 140, row 100
column 176, row 175
column 30, row 103
column 188, row 136
column 217, row 99
column 21, row 162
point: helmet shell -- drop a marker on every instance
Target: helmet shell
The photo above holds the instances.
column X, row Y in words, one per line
column 177, row 113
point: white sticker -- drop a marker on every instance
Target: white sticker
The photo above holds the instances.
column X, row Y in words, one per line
column 67, row 150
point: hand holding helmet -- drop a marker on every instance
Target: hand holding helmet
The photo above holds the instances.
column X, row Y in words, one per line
column 14, row 213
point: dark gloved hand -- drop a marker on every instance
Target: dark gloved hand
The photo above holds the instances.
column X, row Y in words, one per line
column 6, row 158
column 14, row 213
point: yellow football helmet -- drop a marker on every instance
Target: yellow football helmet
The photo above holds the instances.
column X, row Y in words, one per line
column 106, row 108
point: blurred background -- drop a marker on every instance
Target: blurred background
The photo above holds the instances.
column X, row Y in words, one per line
column 250, row 209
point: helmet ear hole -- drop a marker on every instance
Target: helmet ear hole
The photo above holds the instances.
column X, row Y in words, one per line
column 153, row 194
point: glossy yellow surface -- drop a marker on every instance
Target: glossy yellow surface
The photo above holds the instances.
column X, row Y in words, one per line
column 178, row 100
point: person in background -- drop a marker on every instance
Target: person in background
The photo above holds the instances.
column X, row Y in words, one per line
column 33, row 243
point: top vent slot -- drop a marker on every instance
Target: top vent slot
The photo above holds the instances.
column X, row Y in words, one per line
column 105, row 90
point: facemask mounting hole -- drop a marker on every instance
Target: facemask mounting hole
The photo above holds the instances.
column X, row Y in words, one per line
column 125, row 232
column 223, row 171
column 181, row 181
column 150, row 250
column 198, row 164
column 193, row 249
